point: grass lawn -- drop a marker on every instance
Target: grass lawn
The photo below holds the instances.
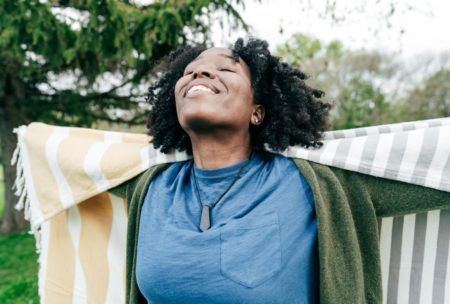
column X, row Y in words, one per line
column 18, row 269
column 18, row 264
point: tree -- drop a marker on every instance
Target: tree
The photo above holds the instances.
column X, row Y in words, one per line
column 361, row 84
column 76, row 62
column 431, row 98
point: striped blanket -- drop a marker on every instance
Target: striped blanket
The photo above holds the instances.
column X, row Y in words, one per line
column 63, row 175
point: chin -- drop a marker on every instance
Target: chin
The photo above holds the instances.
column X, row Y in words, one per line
column 202, row 123
column 199, row 114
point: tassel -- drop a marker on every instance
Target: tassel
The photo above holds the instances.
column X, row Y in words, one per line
column 19, row 183
column 20, row 190
column 15, row 155
column 20, row 204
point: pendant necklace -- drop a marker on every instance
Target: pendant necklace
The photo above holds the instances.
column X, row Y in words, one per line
column 205, row 222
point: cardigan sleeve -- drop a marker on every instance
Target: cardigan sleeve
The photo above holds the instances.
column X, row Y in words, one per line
column 134, row 191
column 391, row 197
column 126, row 189
column 387, row 197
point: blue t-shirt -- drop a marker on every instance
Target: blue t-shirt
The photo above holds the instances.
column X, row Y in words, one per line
column 261, row 247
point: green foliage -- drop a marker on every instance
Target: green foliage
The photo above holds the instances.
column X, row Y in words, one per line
column 360, row 84
column 362, row 104
column 78, row 62
column 85, row 41
column 302, row 48
column 431, row 98
column 18, row 269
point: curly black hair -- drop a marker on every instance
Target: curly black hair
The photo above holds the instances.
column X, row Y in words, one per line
column 294, row 112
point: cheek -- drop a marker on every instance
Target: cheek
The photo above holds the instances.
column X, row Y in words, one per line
column 250, row 95
column 178, row 91
column 178, row 86
column 246, row 97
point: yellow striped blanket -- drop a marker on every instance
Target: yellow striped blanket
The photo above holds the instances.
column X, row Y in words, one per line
column 63, row 175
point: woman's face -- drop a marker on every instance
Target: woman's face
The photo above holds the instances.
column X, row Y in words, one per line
column 215, row 93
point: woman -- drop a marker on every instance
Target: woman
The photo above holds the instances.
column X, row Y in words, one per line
column 238, row 224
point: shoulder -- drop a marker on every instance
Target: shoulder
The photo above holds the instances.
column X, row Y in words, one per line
column 161, row 171
column 320, row 176
column 140, row 183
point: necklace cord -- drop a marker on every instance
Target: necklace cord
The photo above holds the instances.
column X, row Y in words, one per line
column 197, row 191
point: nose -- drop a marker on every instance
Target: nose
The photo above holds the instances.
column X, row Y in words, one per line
column 203, row 71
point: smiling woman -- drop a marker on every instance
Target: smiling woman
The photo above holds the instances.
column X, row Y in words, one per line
column 239, row 223
column 237, row 226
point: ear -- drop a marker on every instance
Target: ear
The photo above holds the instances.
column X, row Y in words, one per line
column 257, row 115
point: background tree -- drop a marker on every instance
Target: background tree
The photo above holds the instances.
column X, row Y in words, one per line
column 430, row 98
column 77, row 62
column 360, row 84
column 371, row 87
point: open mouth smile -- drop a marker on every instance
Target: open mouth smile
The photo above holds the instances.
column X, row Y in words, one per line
column 200, row 87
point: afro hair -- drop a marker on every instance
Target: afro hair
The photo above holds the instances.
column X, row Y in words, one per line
column 294, row 112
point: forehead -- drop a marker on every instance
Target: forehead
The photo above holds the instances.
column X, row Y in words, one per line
column 218, row 54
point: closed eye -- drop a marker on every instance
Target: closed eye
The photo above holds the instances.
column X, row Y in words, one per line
column 226, row 70
column 187, row 73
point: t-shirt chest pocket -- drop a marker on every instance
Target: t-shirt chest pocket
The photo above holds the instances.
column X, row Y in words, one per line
column 250, row 253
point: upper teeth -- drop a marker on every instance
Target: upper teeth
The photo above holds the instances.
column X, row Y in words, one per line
column 200, row 88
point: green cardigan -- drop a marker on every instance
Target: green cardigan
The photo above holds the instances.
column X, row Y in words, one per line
column 347, row 206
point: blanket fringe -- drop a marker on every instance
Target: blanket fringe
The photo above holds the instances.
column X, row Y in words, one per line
column 20, row 189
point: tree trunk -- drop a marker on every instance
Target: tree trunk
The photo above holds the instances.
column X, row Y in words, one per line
column 12, row 220
column 10, row 117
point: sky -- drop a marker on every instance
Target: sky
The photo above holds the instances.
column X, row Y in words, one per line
column 425, row 24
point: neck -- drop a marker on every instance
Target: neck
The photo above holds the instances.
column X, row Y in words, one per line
column 213, row 152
